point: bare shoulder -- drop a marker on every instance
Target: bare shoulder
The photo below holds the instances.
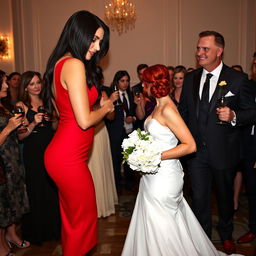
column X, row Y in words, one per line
column 73, row 73
column 73, row 63
column 170, row 111
column 171, row 115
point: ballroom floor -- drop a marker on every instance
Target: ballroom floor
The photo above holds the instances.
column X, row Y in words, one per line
column 113, row 229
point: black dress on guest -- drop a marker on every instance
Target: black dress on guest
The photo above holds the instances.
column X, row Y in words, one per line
column 43, row 221
column 13, row 195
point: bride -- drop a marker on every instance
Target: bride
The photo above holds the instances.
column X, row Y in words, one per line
column 162, row 223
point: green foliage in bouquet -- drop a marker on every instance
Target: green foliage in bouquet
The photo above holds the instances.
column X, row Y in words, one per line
column 129, row 150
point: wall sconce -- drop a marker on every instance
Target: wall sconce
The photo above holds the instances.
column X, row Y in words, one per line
column 5, row 47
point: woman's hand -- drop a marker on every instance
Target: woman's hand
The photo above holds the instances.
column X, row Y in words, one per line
column 38, row 118
column 129, row 119
column 139, row 99
column 107, row 104
column 14, row 122
column 47, row 117
column 114, row 96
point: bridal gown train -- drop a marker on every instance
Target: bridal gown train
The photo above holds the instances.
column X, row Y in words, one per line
column 162, row 223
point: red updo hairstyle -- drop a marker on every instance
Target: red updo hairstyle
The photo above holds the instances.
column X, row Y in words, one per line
column 157, row 77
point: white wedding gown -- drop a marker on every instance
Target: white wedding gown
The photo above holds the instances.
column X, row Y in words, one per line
column 162, row 223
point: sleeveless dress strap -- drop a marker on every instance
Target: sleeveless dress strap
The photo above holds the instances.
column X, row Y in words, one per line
column 57, row 72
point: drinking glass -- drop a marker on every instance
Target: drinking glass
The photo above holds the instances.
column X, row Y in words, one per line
column 136, row 92
column 18, row 110
column 117, row 102
column 221, row 103
column 42, row 110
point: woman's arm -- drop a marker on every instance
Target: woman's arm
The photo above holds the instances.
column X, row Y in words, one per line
column 113, row 97
column 73, row 79
column 53, row 119
column 172, row 119
column 140, row 106
column 13, row 123
column 30, row 126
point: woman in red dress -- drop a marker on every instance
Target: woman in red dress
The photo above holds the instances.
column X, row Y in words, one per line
column 71, row 82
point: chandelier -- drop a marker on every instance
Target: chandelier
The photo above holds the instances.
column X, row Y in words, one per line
column 120, row 15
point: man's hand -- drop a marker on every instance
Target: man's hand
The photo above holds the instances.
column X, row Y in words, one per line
column 129, row 119
column 225, row 114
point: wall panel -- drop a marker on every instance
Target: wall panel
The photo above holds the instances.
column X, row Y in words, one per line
column 166, row 31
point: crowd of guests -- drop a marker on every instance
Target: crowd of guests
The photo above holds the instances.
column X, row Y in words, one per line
column 27, row 194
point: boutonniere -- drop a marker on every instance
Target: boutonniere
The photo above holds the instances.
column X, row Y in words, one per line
column 222, row 83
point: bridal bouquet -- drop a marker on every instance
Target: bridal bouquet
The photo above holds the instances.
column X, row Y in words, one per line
column 141, row 152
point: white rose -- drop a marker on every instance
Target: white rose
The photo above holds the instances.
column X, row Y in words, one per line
column 133, row 160
column 127, row 143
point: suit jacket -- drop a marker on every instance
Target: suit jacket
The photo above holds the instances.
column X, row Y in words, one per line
column 248, row 139
column 222, row 141
column 248, row 116
column 138, row 87
column 116, row 127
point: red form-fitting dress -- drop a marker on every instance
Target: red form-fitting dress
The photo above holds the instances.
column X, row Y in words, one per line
column 66, row 162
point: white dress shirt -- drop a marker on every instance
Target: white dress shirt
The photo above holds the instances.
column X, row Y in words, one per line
column 128, row 127
column 213, row 81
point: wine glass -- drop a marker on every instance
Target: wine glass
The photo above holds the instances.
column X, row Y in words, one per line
column 221, row 103
column 136, row 92
column 42, row 110
column 116, row 89
column 19, row 111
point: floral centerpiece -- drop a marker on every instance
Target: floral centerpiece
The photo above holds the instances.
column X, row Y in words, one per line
column 141, row 152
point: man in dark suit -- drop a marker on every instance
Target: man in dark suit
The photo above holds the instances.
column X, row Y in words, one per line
column 218, row 146
column 138, row 88
column 140, row 70
column 120, row 127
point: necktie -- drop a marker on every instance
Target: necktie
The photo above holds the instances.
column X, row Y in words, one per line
column 204, row 108
column 125, row 104
column 205, row 92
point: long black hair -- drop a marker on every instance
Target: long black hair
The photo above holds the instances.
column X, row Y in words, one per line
column 10, row 76
column 5, row 101
column 76, row 38
column 118, row 75
column 2, row 76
